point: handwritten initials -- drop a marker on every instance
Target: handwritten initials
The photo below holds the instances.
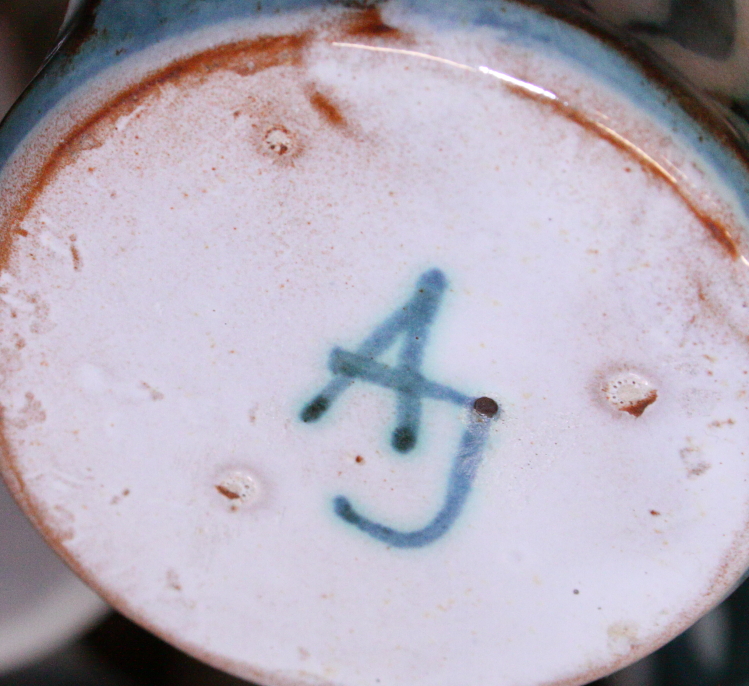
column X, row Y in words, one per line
column 411, row 323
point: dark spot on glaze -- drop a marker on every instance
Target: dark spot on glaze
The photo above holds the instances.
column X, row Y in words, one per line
column 231, row 495
column 699, row 469
column 155, row 395
column 368, row 23
column 357, row 4
column 486, row 406
column 327, row 109
column 576, row 591
column 636, row 409
column 692, row 457
column 404, row 439
column 315, row 409
column 359, row 459
column 655, row 513
column 117, row 498
column 173, row 580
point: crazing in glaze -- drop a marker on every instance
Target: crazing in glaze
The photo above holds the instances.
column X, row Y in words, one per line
column 413, row 321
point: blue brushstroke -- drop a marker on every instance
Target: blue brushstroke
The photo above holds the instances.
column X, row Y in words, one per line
column 459, row 487
column 412, row 323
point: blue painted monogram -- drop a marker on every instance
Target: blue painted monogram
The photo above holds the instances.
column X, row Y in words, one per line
column 412, row 322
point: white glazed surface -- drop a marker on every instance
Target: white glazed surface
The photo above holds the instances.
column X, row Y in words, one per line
column 171, row 303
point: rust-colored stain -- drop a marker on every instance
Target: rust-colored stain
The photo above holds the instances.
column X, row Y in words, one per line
column 279, row 141
column 368, row 24
column 231, row 495
column 678, row 92
column 155, row 395
column 636, row 409
column 698, row 469
column 244, row 57
column 715, row 229
column 251, row 57
column 655, row 513
column 359, row 459
column 172, row 579
column 327, row 109
column 76, row 258
column 720, row 233
column 675, row 87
